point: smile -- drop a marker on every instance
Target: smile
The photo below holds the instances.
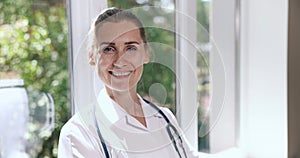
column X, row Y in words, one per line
column 120, row 74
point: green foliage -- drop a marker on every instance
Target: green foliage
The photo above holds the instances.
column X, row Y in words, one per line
column 33, row 42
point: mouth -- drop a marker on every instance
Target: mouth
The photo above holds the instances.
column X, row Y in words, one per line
column 120, row 74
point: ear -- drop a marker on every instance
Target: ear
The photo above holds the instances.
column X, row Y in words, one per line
column 92, row 59
column 147, row 56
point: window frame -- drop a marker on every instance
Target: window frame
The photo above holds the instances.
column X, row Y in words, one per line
column 263, row 68
column 244, row 21
column 79, row 28
column 186, row 64
column 224, row 53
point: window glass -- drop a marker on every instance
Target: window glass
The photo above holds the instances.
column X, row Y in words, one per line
column 33, row 52
column 203, row 43
column 158, row 80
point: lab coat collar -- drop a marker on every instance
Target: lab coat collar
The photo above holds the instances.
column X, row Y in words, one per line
column 110, row 108
column 117, row 116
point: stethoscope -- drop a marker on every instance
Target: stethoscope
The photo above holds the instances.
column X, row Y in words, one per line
column 170, row 127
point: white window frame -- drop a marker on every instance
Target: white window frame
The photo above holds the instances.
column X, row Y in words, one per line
column 81, row 14
column 224, row 74
column 260, row 67
column 186, row 66
column 262, row 36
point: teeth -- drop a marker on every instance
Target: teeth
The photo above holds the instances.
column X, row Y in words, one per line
column 118, row 74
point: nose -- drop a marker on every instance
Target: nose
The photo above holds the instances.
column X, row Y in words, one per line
column 120, row 60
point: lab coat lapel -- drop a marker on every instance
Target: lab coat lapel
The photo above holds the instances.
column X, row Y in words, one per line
column 115, row 114
column 109, row 108
column 123, row 132
column 108, row 115
column 133, row 123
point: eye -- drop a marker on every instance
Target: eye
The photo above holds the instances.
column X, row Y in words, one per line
column 131, row 49
column 109, row 50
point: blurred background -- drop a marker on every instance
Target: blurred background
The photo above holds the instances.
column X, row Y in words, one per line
column 33, row 44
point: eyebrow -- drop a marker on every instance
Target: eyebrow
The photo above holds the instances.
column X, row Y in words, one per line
column 107, row 43
column 126, row 43
column 131, row 42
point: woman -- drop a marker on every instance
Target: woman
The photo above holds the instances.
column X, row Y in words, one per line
column 122, row 124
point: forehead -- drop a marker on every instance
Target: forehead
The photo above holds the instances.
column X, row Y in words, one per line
column 115, row 31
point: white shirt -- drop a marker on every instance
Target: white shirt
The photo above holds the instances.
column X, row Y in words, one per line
column 124, row 136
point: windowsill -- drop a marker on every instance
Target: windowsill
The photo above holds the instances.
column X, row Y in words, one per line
column 232, row 153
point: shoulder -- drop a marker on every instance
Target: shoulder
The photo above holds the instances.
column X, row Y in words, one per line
column 66, row 137
column 72, row 131
column 169, row 114
column 79, row 125
column 154, row 107
column 74, row 125
column 76, row 138
column 167, row 111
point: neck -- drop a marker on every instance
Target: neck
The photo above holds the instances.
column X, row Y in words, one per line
column 128, row 100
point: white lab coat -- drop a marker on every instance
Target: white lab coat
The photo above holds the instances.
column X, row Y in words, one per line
column 123, row 134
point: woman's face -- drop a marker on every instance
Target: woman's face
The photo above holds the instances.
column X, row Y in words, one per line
column 121, row 55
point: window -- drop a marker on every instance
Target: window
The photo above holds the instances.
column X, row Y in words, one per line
column 203, row 88
column 159, row 76
column 33, row 50
column 249, row 113
column 243, row 95
column 163, row 35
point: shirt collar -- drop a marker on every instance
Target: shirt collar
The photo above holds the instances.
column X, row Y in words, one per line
column 116, row 115
column 109, row 107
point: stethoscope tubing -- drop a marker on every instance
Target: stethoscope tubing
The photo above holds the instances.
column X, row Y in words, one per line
column 101, row 138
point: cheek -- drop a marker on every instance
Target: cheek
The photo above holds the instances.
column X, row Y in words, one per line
column 105, row 61
column 138, row 60
column 138, row 74
column 103, row 65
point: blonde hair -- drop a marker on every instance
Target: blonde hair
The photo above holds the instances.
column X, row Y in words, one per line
column 113, row 15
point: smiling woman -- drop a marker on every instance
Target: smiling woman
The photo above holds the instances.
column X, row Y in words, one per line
column 121, row 123
column 121, row 55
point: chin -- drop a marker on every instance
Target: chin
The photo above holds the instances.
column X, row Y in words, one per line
column 121, row 87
